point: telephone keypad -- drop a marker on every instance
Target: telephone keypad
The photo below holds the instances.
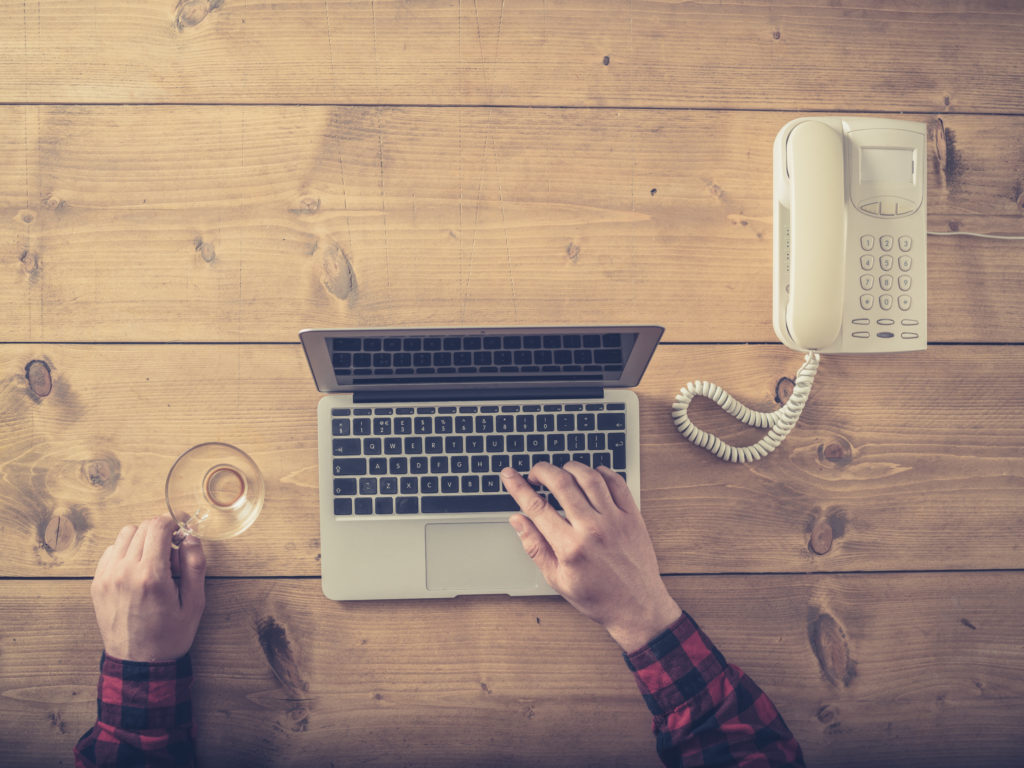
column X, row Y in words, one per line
column 884, row 291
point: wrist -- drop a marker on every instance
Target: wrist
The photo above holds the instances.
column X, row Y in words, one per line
column 637, row 632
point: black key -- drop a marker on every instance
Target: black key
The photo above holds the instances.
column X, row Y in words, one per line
column 346, row 345
column 384, row 506
column 350, row 466
column 342, row 427
column 361, row 426
column 434, row 445
column 413, row 445
column 382, row 426
column 556, row 442
column 534, row 443
column 595, row 441
column 460, row 464
column 398, row 465
column 428, row 485
column 514, row 443
column 470, row 484
column 603, row 459
column 479, row 464
column 368, row 486
column 371, row 446
column 499, row 502
column 409, row 485
column 495, row 443
column 484, row 424
column 617, row 444
column 453, row 444
column 566, row 422
column 344, row 486
column 443, row 425
column 418, row 465
column 378, row 466
column 524, row 423
column 492, row 483
column 449, row 484
column 348, row 446
column 585, row 422
column 438, row 465
column 392, row 445
column 343, row 506
column 364, row 506
column 474, row 444
column 611, row 422
column 408, row 506
column 423, row 425
column 463, row 424
column 389, row 485
column 545, row 422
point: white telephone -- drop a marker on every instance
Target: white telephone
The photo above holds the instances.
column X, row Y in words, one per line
column 849, row 258
column 850, row 228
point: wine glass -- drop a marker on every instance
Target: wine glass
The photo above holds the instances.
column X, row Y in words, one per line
column 214, row 491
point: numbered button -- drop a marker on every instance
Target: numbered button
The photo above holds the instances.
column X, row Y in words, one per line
column 885, row 242
column 885, row 282
column 885, row 302
column 904, row 282
column 885, row 262
column 867, row 262
column 867, row 301
column 866, row 281
column 905, row 243
column 906, row 263
column 904, row 302
column 867, row 242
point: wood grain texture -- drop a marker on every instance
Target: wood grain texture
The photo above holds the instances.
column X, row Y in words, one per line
column 900, row 462
column 812, row 54
column 867, row 669
column 248, row 223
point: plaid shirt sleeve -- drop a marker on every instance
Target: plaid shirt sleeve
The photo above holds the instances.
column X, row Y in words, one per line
column 144, row 716
column 708, row 712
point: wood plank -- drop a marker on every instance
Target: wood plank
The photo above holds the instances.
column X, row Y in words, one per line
column 808, row 55
column 900, row 462
column 920, row 670
column 247, row 224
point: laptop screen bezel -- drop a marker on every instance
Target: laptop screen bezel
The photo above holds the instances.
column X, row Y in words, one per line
column 315, row 345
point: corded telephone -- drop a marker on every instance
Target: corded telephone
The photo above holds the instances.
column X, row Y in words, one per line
column 849, row 258
column 850, row 230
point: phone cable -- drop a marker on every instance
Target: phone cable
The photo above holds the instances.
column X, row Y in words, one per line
column 780, row 422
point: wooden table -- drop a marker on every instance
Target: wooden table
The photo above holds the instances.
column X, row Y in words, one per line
column 184, row 187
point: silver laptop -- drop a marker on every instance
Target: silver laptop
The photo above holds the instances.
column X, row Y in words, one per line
column 411, row 504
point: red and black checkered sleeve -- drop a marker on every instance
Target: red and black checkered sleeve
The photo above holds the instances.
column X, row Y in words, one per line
column 144, row 716
column 706, row 711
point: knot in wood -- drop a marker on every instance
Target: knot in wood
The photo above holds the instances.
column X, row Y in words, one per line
column 192, row 12
column 59, row 534
column 205, row 250
column 784, row 390
column 821, row 538
column 29, row 262
column 40, row 378
column 837, row 453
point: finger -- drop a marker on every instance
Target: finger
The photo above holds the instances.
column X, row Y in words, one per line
column 124, row 538
column 536, row 546
column 565, row 488
column 193, row 574
column 619, row 491
column 157, row 546
column 550, row 524
column 136, row 546
column 594, row 486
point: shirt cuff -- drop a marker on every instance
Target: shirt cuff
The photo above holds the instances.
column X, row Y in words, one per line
column 675, row 666
column 143, row 696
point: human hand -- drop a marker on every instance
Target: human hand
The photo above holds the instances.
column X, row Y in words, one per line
column 599, row 557
column 143, row 615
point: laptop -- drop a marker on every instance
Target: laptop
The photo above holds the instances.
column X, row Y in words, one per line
column 418, row 423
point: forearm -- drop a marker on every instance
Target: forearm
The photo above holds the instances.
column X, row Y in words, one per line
column 144, row 716
column 706, row 711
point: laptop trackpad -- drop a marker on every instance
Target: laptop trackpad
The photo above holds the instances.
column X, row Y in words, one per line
column 478, row 558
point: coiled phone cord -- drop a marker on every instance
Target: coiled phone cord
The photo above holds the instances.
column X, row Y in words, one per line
column 780, row 421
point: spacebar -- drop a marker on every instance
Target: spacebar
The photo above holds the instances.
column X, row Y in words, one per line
column 500, row 502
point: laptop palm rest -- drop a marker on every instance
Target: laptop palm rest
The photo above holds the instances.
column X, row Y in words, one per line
column 479, row 557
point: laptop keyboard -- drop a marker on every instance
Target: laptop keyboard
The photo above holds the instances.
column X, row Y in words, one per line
column 409, row 460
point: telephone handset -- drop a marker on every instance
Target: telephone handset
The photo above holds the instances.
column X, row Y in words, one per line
column 849, row 259
column 850, row 268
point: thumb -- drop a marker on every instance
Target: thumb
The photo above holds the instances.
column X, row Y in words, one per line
column 193, row 574
column 536, row 546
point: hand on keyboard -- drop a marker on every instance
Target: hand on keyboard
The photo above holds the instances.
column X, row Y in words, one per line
column 599, row 557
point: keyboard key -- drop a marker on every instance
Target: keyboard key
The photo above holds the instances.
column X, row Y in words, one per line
column 408, row 506
column 364, row 506
column 470, row 484
column 409, row 485
column 449, row 484
column 611, row 421
column 343, row 506
column 368, row 486
column 348, row 446
column 350, row 466
column 384, row 506
column 500, row 502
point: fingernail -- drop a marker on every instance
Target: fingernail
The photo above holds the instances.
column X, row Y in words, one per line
column 508, row 472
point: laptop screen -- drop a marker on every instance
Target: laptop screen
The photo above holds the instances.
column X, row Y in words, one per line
column 466, row 358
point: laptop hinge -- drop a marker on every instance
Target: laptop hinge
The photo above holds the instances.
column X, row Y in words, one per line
column 545, row 393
